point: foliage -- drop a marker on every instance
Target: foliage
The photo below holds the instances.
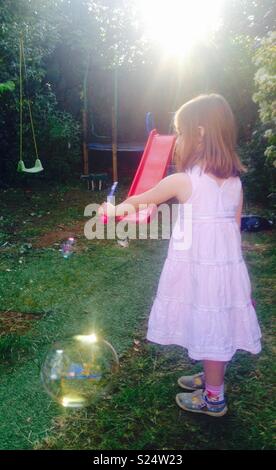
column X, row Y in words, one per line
column 35, row 22
column 259, row 181
column 7, row 86
column 249, row 18
column 59, row 136
column 265, row 79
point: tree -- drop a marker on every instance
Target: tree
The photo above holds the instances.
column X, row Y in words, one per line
column 265, row 96
column 249, row 18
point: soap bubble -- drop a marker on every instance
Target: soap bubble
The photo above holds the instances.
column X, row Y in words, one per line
column 79, row 370
column 67, row 247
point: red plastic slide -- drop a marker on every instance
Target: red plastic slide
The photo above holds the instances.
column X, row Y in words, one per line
column 154, row 162
column 152, row 168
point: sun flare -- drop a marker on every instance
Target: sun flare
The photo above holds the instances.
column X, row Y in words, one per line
column 176, row 25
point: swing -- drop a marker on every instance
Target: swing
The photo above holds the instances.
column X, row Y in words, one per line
column 21, row 166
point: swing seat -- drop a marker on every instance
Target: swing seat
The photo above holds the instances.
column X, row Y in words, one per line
column 35, row 169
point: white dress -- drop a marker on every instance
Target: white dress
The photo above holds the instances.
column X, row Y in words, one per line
column 203, row 302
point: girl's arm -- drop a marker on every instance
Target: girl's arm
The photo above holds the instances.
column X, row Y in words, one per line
column 177, row 185
column 239, row 210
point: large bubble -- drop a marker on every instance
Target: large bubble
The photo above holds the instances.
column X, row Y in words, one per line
column 79, row 370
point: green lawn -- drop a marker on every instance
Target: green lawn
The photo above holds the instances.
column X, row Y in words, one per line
column 110, row 289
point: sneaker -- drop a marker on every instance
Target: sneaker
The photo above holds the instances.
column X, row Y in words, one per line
column 192, row 382
column 197, row 402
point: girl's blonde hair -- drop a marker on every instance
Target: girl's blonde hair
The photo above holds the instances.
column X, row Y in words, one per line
column 215, row 149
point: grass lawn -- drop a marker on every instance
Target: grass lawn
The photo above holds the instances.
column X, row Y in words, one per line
column 44, row 298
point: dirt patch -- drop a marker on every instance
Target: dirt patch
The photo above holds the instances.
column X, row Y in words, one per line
column 60, row 234
column 16, row 322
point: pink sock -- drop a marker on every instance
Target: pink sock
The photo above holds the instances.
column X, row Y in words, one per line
column 215, row 392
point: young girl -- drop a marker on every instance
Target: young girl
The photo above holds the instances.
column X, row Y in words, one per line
column 203, row 301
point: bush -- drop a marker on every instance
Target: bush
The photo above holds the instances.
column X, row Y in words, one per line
column 259, row 181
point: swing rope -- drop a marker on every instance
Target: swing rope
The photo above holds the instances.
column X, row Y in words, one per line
column 21, row 166
column 21, row 102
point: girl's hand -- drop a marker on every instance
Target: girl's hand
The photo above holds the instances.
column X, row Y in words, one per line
column 107, row 209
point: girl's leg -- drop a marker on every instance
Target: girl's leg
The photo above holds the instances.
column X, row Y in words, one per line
column 197, row 381
column 214, row 380
column 214, row 372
